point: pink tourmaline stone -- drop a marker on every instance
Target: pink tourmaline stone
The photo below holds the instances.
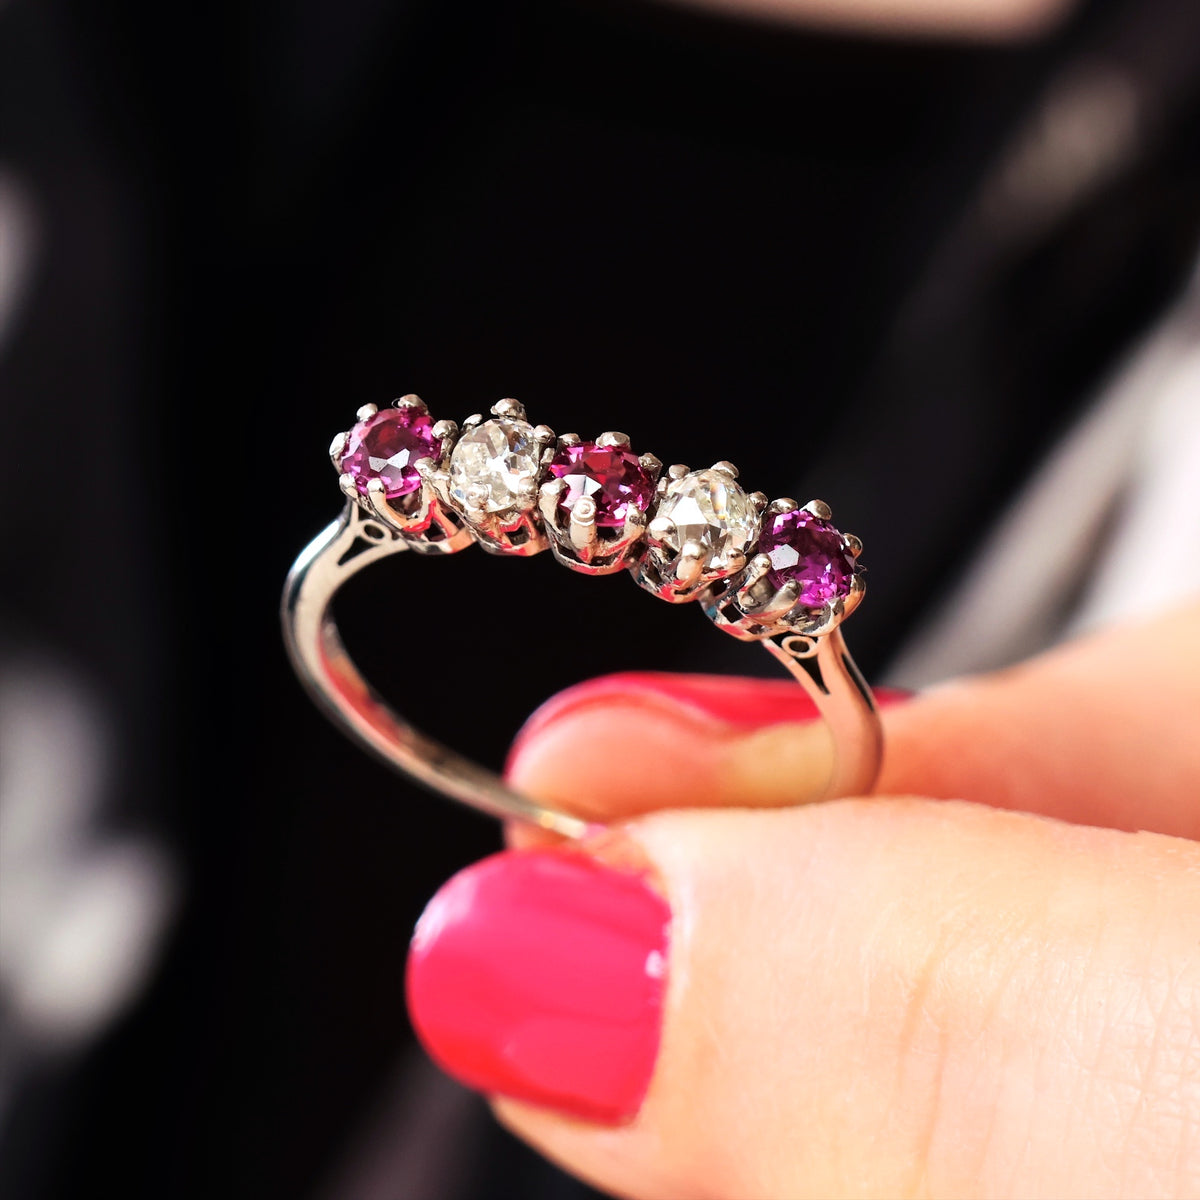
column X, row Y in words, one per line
column 386, row 446
column 610, row 475
column 810, row 551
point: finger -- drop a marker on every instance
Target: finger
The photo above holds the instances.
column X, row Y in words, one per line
column 1103, row 731
column 858, row 999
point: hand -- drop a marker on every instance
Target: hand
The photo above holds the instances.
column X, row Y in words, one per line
column 980, row 982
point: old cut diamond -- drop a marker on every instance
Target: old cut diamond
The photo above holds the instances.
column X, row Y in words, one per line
column 494, row 467
column 708, row 507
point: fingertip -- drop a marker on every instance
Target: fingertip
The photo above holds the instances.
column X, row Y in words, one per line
column 630, row 743
column 602, row 750
column 521, row 835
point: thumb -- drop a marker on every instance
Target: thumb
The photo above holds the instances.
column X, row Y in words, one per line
column 1101, row 731
column 849, row 999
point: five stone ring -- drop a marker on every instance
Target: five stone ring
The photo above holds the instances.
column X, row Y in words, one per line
column 775, row 573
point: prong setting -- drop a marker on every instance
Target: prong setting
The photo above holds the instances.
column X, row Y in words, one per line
column 581, row 528
column 758, row 566
column 652, row 465
column 509, row 407
column 690, row 564
column 548, row 497
column 597, row 519
column 492, row 477
column 703, row 520
column 388, row 465
column 804, row 579
column 660, row 528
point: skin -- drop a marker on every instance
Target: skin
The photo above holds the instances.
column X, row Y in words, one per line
column 985, row 20
column 983, row 981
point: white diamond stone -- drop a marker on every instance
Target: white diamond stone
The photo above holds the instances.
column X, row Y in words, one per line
column 709, row 508
column 494, row 467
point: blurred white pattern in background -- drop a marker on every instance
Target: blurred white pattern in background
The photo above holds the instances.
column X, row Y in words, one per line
column 1108, row 530
column 18, row 236
column 81, row 909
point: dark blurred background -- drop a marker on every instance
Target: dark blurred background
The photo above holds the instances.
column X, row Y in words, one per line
column 892, row 271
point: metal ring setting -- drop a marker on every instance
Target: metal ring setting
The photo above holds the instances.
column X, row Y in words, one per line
column 771, row 572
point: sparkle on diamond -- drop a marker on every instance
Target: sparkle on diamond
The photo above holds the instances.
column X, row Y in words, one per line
column 500, row 456
column 710, row 508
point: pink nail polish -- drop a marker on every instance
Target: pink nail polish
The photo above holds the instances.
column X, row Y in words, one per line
column 540, row 975
column 734, row 701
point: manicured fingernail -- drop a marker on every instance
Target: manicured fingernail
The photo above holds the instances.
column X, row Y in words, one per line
column 728, row 700
column 540, row 975
column 683, row 737
column 736, row 702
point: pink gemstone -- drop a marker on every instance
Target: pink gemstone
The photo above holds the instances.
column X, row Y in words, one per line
column 386, row 446
column 810, row 551
column 610, row 475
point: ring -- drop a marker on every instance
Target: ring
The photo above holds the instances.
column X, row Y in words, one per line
column 774, row 573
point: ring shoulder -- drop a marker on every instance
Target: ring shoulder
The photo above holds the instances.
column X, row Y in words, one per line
column 359, row 539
